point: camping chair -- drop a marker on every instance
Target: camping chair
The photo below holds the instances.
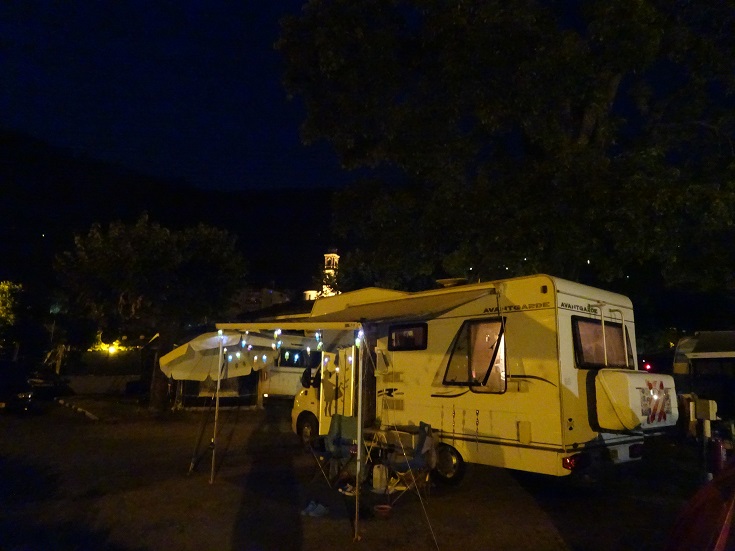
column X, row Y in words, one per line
column 333, row 452
column 412, row 472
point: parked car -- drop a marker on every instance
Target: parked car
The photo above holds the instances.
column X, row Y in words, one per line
column 16, row 393
column 47, row 385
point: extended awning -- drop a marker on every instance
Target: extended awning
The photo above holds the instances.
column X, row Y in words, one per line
column 712, row 345
column 406, row 306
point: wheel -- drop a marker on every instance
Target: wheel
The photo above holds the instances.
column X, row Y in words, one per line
column 450, row 466
column 307, row 428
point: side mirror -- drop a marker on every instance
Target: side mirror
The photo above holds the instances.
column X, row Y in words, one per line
column 306, row 378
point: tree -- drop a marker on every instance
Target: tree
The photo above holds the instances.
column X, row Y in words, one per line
column 146, row 278
column 9, row 302
column 9, row 292
column 591, row 140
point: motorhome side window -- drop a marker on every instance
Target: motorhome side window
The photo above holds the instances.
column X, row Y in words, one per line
column 408, row 337
column 590, row 344
column 477, row 358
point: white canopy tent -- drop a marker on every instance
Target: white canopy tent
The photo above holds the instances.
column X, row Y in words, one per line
column 242, row 353
column 218, row 356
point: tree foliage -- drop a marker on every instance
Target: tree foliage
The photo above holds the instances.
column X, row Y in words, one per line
column 9, row 292
column 145, row 277
column 585, row 139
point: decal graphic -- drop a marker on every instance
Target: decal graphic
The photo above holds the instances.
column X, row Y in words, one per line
column 655, row 401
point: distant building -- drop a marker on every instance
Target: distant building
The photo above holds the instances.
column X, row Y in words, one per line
column 252, row 299
column 331, row 267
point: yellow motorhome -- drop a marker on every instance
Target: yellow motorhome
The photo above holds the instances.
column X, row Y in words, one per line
column 533, row 373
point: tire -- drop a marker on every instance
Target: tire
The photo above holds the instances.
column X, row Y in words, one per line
column 307, row 428
column 450, row 466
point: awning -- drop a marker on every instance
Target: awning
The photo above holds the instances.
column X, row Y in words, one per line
column 407, row 306
column 712, row 345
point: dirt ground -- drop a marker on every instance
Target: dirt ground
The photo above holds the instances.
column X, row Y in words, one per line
column 118, row 479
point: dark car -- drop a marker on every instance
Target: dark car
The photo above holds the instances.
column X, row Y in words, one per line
column 47, row 385
column 16, row 393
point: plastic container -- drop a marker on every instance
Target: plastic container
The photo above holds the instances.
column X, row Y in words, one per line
column 380, row 478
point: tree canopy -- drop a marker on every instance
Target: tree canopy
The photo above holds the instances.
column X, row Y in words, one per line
column 585, row 139
column 145, row 277
column 9, row 292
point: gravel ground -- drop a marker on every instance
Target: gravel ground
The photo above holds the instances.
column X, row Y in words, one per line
column 105, row 473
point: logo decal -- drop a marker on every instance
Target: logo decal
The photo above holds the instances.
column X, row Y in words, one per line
column 655, row 401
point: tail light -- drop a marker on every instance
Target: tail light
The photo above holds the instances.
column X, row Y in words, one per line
column 576, row 461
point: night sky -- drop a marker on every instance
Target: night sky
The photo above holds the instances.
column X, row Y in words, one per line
column 179, row 90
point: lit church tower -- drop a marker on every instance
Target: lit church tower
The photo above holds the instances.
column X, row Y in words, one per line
column 331, row 267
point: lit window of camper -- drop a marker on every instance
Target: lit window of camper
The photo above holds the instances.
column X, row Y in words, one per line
column 478, row 357
column 590, row 344
column 408, row 337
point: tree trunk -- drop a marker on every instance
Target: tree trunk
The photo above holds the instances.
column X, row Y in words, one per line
column 159, row 399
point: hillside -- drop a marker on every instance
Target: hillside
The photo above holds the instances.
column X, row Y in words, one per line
column 47, row 195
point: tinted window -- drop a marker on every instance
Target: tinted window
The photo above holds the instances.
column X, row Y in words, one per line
column 478, row 357
column 597, row 345
column 408, row 337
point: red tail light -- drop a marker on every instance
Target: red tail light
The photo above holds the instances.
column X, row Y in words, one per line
column 576, row 461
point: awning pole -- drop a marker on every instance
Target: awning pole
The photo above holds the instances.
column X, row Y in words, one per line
column 216, row 406
column 360, row 442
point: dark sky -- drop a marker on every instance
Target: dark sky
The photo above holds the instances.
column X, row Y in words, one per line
column 179, row 89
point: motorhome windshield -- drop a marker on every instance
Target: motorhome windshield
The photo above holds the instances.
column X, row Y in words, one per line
column 598, row 345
